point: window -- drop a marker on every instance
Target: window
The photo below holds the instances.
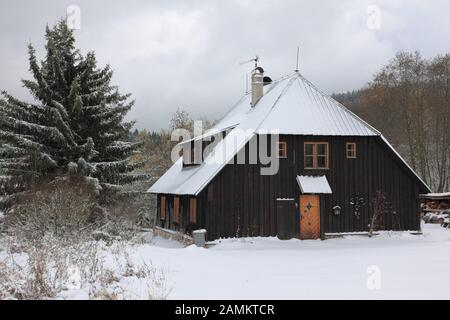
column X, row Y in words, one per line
column 282, row 149
column 162, row 208
column 316, row 155
column 350, row 150
column 193, row 210
column 188, row 156
column 176, row 209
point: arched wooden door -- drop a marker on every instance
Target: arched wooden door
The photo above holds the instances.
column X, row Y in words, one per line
column 309, row 217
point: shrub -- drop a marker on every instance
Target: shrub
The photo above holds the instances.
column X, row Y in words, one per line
column 63, row 208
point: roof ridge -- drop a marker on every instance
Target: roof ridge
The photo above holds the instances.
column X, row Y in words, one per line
column 288, row 85
column 232, row 108
column 291, row 104
column 276, row 81
column 339, row 105
column 254, row 130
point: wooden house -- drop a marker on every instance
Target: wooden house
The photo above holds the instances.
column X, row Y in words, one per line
column 331, row 164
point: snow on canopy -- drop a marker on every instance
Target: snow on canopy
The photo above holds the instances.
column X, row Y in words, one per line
column 437, row 196
column 290, row 105
column 314, row 184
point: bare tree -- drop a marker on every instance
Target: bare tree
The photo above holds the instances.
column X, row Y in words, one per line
column 409, row 101
column 381, row 209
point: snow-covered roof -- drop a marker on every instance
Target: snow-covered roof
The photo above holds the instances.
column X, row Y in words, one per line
column 314, row 184
column 290, row 105
column 191, row 180
column 304, row 109
column 437, row 196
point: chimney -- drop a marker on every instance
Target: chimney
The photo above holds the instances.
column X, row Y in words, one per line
column 257, row 85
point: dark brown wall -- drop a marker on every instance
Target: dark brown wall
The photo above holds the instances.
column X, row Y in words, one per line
column 244, row 202
column 184, row 225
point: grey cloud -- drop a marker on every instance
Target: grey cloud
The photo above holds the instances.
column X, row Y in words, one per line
column 172, row 54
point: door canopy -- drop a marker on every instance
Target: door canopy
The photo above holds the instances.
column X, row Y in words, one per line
column 313, row 185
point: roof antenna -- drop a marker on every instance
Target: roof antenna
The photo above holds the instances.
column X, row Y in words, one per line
column 298, row 50
column 256, row 59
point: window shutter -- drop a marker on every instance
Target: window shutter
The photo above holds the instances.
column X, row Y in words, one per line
column 176, row 209
column 193, row 210
column 162, row 208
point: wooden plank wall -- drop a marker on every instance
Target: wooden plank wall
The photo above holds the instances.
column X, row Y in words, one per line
column 244, row 202
column 184, row 224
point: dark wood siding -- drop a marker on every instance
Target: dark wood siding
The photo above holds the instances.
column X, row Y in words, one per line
column 184, row 224
column 243, row 202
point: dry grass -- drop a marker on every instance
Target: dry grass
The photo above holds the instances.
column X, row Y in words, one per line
column 57, row 238
column 46, row 272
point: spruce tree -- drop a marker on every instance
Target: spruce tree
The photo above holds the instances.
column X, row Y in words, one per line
column 75, row 125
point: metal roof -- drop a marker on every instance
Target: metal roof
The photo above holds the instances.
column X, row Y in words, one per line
column 290, row 105
column 314, row 184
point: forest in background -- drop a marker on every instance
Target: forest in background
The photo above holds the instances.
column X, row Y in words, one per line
column 408, row 100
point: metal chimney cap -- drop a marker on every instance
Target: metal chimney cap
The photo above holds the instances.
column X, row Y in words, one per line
column 259, row 69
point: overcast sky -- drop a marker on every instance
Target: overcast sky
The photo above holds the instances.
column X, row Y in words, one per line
column 172, row 54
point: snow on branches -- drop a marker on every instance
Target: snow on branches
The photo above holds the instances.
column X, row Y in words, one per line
column 76, row 124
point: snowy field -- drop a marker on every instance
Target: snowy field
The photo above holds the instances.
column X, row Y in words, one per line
column 410, row 267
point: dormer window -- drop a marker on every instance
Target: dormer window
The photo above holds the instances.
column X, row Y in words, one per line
column 192, row 154
column 194, row 151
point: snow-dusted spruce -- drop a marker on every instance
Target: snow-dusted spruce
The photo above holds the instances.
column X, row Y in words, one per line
column 75, row 126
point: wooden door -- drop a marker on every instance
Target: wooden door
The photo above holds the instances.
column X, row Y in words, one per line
column 309, row 217
column 286, row 219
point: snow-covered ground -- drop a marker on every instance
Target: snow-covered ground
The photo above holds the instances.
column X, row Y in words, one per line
column 405, row 266
column 410, row 267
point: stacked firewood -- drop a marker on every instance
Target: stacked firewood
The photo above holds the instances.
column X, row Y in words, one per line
column 437, row 211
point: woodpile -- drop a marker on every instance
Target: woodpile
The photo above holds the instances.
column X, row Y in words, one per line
column 436, row 205
column 436, row 209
